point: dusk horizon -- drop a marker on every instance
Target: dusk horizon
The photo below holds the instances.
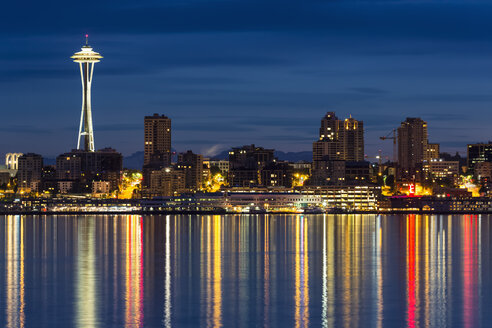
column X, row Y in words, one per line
column 231, row 73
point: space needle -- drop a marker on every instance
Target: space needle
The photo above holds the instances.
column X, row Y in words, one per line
column 86, row 59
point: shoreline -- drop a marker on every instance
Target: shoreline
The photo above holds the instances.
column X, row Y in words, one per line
column 161, row 212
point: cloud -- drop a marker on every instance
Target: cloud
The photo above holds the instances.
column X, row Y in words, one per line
column 369, row 90
column 214, row 150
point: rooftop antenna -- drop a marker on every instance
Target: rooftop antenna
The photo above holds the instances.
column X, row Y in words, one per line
column 87, row 39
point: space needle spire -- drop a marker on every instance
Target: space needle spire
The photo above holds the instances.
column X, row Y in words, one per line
column 86, row 58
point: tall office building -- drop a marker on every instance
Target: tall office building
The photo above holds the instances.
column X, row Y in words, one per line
column 478, row 153
column 157, row 140
column 352, row 137
column 30, row 168
column 412, row 148
column 157, row 149
column 432, row 152
column 192, row 166
column 82, row 168
column 339, row 139
column 86, row 58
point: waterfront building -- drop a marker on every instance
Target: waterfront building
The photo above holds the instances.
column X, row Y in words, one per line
column 222, row 165
column 432, row 152
column 302, row 166
column 414, row 149
column 347, row 197
column 49, row 181
column 327, row 172
column 29, row 172
column 483, row 170
column 157, row 147
column 192, row 166
column 358, row 172
column 276, row 174
column 440, row 169
column 65, row 186
column 86, row 58
column 68, row 167
column 157, row 135
column 84, row 167
column 166, row 182
column 477, row 153
column 101, row 188
column 246, row 163
column 439, row 204
column 339, row 140
column 271, row 202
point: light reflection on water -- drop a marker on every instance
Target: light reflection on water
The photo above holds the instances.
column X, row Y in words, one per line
column 320, row 270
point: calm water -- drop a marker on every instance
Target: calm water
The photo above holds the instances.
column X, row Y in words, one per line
column 284, row 271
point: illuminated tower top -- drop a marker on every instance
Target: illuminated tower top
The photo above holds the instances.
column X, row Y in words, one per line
column 87, row 55
column 86, row 60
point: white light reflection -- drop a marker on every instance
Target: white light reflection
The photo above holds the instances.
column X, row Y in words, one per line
column 86, row 302
column 167, row 275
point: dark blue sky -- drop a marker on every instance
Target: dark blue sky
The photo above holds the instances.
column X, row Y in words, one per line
column 235, row 72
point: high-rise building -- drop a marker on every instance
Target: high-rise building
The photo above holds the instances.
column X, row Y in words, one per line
column 192, row 166
column 165, row 182
column 157, row 140
column 157, row 148
column 30, row 171
column 477, row 153
column 432, row 152
column 246, row 163
column 11, row 160
column 352, row 137
column 412, row 147
column 339, row 139
column 86, row 58
column 440, row 169
column 277, row 174
column 84, row 167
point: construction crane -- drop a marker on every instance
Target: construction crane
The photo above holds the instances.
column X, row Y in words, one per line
column 379, row 159
column 394, row 142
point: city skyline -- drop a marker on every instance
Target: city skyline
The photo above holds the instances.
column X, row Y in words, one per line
column 267, row 82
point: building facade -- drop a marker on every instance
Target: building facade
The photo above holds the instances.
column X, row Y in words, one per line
column 477, row 153
column 339, row 141
column 157, row 148
column 439, row 169
column 192, row 166
column 414, row 149
column 246, row 163
column 30, row 170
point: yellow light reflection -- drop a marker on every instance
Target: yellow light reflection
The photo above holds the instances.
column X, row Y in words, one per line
column 86, row 302
column 217, row 272
column 15, row 271
column 301, row 297
column 266, row 274
column 213, row 269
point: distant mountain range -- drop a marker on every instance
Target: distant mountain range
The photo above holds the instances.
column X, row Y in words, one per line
column 283, row 156
column 135, row 160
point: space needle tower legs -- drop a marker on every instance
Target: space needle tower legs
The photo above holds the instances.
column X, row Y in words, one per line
column 86, row 58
